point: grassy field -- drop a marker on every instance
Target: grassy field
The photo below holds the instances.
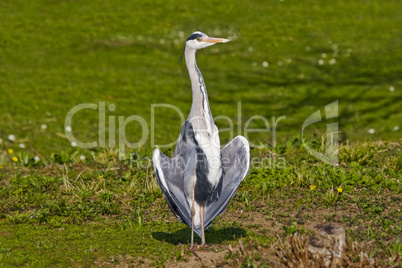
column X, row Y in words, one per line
column 58, row 54
column 108, row 212
column 67, row 206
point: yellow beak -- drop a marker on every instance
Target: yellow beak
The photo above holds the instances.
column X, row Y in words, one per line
column 214, row 40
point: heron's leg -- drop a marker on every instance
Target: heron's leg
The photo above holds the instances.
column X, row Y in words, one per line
column 202, row 226
column 192, row 222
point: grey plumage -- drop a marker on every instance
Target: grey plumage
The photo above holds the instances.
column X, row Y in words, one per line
column 199, row 181
column 235, row 166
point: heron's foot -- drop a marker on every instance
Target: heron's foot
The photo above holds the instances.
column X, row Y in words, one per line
column 193, row 247
column 201, row 247
column 196, row 246
column 196, row 255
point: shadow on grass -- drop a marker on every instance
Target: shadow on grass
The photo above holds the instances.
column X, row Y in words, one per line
column 212, row 236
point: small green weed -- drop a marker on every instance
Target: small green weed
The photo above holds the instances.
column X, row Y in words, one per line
column 291, row 229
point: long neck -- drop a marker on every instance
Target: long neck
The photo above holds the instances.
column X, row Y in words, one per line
column 200, row 105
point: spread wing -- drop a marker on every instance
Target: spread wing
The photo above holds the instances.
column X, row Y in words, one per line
column 169, row 174
column 235, row 157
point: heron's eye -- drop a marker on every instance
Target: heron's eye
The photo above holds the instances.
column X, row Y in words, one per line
column 198, row 39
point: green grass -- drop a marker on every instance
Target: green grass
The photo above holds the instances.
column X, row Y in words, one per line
column 105, row 211
column 58, row 54
column 64, row 210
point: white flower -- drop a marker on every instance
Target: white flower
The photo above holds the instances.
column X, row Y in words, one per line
column 11, row 137
column 289, row 60
column 22, row 145
column 395, row 128
column 162, row 41
column 265, row 64
column 323, row 55
column 68, row 128
column 36, row 158
column 332, row 61
column 43, row 126
column 391, row 88
column 82, row 157
column 73, row 144
column 371, row 131
column 320, row 62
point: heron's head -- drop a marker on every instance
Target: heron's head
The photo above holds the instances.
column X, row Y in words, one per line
column 198, row 40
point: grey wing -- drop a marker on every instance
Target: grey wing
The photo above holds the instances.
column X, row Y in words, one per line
column 169, row 174
column 236, row 165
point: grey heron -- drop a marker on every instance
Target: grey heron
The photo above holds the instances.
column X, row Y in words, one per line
column 201, row 179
